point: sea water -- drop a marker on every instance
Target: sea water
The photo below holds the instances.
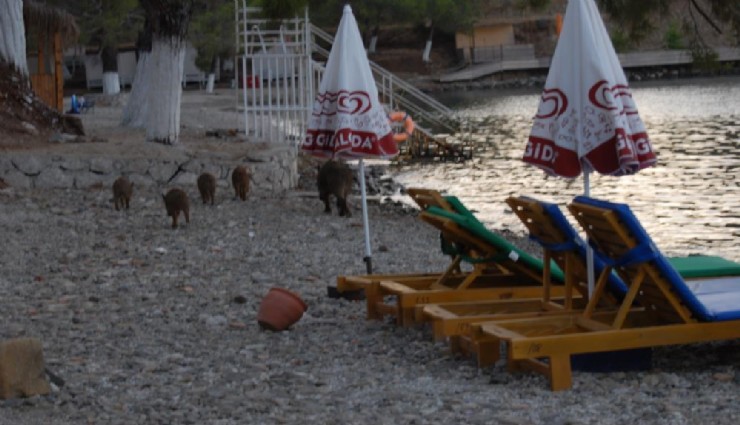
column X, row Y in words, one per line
column 689, row 202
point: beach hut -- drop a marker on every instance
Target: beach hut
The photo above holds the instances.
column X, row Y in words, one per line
column 48, row 30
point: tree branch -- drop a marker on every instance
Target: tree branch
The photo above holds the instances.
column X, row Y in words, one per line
column 706, row 17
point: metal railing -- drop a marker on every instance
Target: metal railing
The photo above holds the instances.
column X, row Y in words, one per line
column 426, row 111
column 276, row 75
column 281, row 69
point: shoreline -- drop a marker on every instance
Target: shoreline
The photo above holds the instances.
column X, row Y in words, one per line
column 536, row 79
column 146, row 324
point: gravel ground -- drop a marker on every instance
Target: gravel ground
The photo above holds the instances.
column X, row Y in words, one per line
column 150, row 325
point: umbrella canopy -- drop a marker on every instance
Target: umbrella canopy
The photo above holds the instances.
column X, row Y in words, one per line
column 348, row 120
column 587, row 119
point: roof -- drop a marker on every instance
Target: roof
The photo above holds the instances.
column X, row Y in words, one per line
column 50, row 19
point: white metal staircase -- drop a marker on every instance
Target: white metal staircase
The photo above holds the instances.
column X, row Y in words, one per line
column 280, row 68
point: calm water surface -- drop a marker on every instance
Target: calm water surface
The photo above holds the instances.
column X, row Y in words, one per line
column 689, row 202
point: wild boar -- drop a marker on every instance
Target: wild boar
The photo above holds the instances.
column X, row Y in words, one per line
column 240, row 180
column 207, row 187
column 122, row 190
column 176, row 201
column 335, row 178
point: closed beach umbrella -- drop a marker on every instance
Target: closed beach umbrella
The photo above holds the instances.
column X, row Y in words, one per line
column 586, row 119
column 348, row 120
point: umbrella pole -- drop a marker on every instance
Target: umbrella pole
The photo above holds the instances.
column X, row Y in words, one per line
column 365, row 222
column 589, row 251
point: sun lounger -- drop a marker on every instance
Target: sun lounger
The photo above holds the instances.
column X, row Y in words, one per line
column 424, row 198
column 499, row 271
column 659, row 308
column 561, row 243
column 484, row 274
column 460, row 322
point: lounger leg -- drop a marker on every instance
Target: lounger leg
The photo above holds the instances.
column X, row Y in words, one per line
column 561, row 377
column 405, row 315
column 488, row 352
column 371, row 297
column 438, row 330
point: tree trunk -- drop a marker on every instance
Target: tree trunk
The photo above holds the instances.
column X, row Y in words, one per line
column 13, row 36
column 165, row 73
column 212, row 75
column 373, row 40
column 428, row 48
column 135, row 112
column 111, row 80
column 168, row 25
column 211, row 82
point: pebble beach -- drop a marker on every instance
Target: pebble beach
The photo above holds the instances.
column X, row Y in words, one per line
column 144, row 324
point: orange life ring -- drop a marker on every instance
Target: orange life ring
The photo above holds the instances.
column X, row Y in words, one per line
column 408, row 125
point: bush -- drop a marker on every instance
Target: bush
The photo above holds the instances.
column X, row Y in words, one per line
column 673, row 37
column 620, row 41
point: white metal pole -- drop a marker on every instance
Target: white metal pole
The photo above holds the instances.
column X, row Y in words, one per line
column 589, row 251
column 365, row 222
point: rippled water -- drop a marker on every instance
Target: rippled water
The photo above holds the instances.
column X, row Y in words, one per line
column 689, row 202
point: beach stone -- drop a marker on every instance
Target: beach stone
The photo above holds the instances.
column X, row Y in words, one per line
column 162, row 172
column 54, row 178
column 15, row 178
column 85, row 180
column 22, row 368
column 30, row 165
column 185, row 178
column 101, row 165
column 73, row 164
column 136, row 165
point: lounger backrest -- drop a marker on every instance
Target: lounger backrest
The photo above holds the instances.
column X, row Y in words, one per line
column 490, row 244
column 616, row 233
column 548, row 226
column 426, row 198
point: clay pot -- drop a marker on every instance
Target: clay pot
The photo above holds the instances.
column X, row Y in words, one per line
column 279, row 309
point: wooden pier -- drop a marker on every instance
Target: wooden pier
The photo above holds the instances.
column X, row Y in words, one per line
column 628, row 60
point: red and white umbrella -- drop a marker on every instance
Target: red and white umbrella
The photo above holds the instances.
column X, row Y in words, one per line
column 348, row 120
column 587, row 119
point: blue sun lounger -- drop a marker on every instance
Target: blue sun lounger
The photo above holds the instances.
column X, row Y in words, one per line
column 659, row 308
column 562, row 245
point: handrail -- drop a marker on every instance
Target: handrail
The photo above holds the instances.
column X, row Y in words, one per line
column 423, row 107
column 432, row 117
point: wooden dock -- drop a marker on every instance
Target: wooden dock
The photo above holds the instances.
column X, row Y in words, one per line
column 422, row 146
column 655, row 58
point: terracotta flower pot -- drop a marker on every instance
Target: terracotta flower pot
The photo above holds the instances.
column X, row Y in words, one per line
column 279, row 309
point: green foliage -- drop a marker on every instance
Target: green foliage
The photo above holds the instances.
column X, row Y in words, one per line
column 634, row 17
column 168, row 18
column 728, row 11
column 673, row 37
column 620, row 40
column 277, row 10
column 105, row 22
column 212, row 32
column 537, row 5
column 450, row 15
column 704, row 58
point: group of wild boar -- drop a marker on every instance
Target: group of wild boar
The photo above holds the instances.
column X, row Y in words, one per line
column 334, row 178
column 176, row 200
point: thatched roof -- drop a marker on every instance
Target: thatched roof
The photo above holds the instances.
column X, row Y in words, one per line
column 51, row 20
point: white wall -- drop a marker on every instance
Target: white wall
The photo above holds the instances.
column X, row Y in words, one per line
column 127, row 68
